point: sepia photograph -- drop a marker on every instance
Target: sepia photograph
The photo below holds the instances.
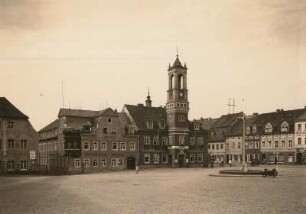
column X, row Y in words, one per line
column 152, row 106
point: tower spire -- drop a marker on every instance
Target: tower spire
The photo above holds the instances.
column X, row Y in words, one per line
column 148, row 101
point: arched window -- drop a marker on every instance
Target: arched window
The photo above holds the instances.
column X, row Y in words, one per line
column 180, row 81
column 172, row 81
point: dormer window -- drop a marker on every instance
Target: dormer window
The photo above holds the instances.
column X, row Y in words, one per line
column 109, row 120
column 162, row 125
column 10, row 124
column 268, row 128
column 284, row 127
column 196, row 126
column 131, row 130
column 150, row 125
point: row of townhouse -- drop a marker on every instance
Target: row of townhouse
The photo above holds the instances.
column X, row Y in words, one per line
column 278, row 136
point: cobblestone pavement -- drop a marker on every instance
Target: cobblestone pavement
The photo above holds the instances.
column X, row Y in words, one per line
column 156, row 191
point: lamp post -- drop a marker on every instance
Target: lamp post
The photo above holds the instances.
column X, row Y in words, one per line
column 244, row 164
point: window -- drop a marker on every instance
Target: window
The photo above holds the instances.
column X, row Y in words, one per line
column 113, row 161
column 103, row 162
column 285, row 127
column 156, row 158
column 283, row 144
column 164, row 140
column 105, row 131
column 109, row 120
column 95, row 146
column 270, row 144
column 299, row 141
column 95, row 162
column 123, row 146
column 300, row 127
column 162, row 125
column 103, row 146
column 146, row 158
column 86, row 145
column 192, row 158
column 10, row 144
column 263, row 144
column 146, row 140
column 181, row 139
column 150, row 125
column 196, row 126
column 213, row 146
column 254, row 129
column 276, row 144
column 114, row 131
column 209, row 146
column 10, row 124
column 115, row 145
column 221, row 146
column 170, row 119
column 23, row 144
column 131, row 130
column 290, row 143
column 170, row 140
column 10, row 165
column 181, row 118
column 268, row 128
column 217, row 146
column 155, row 141
column 86, row 162
column 200, row 141
column 239, row 145
column 200, row 158
column 23, row 165
column 77, row 163
column 256, row 144
column 164, row 158
column 192, row 141
column 132, row 146
column 248, row 130
column 119, row 162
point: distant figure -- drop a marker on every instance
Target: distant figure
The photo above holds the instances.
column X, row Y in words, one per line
column 230, row 163
column 137, row 169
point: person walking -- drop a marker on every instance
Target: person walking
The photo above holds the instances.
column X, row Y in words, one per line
column 137, row 169
column 230, row 162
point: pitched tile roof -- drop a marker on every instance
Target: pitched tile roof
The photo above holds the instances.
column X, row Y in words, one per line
column 207, row 123
column 227, row 120
column 302, row 117
column 107, row 112
column 8, row 110
column 77, row 113
column 277, row 118
column 50, row 126
column 141, row 115
column 177, row 64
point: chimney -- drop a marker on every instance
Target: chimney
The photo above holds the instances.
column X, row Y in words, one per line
column 278, row 110
column 140, row 105
column 255, row 114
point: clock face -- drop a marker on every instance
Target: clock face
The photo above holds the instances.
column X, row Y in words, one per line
column 181, row 94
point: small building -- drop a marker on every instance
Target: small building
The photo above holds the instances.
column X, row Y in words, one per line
column 18, row 140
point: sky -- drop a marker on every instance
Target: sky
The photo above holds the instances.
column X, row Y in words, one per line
column 108, row 53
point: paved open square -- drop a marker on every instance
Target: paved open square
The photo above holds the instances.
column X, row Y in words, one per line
column 156, row 191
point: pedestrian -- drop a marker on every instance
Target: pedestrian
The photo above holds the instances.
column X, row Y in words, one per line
column 137, row 169
column 230, row 162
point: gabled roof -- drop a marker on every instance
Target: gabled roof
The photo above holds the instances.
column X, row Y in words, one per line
column 227, row 120
column 8, row 110
column 107, row 112
column 207, row 123
column 141, row 115
column 77, row 113
column 52, row 125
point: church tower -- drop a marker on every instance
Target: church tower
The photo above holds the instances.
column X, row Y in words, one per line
column 177, row 108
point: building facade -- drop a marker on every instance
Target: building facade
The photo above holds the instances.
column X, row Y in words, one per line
column 18, row 140
column 300, row 139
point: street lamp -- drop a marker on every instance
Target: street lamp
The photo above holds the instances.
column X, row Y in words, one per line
column 244, row 164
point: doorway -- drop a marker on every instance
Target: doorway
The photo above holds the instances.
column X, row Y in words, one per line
column 299, row 158
column 181, row 160
column 131, row 163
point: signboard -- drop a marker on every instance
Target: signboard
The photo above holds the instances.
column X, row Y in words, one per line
column 32, row 154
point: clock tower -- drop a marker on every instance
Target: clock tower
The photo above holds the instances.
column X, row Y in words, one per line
column 177, row 108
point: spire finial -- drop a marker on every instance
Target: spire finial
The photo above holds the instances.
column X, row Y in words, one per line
column 177, row 53
column 148, row 91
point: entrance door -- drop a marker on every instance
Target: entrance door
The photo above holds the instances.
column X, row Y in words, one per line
column 181, row 161
column 131, row 163
column 299, row 158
